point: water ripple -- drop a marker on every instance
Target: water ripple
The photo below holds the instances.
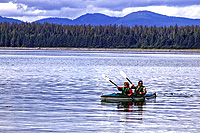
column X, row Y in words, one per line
column 51, row 91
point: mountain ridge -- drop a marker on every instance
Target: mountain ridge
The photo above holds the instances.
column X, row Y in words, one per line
column 10, row 20
column 144, row 18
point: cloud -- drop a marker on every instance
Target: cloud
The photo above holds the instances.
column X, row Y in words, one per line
column 10, row 9
column 31, row 10
column 109, row 4
column 120, row 5
column 5, row 1
column 53, row 4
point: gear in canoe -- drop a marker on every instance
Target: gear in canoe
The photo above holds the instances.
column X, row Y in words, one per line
column 121, row 97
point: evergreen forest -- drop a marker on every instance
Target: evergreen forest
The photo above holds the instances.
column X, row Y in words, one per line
column 103, row 36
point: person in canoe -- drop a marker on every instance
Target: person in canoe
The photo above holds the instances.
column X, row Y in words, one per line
column 140, row 90
column 126, row 90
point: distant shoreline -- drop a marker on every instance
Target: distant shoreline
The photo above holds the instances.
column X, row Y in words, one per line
column 102, row 49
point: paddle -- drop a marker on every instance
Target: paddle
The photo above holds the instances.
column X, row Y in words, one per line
column 124, row 75
column 106, row 78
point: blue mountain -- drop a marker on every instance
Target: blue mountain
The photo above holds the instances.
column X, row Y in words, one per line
column 62, row 21
column 136, row 18
column 95, row 19
column 150, row 19
column 10, row 20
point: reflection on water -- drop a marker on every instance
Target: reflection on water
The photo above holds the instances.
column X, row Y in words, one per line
column 135, row 109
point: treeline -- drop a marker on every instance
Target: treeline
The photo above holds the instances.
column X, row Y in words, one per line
column 108, row 36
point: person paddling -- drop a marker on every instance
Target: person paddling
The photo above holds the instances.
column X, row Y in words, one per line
column 140, row 90
column 126, row 90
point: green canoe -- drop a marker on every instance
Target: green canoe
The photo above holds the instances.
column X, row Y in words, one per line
column 121, row 97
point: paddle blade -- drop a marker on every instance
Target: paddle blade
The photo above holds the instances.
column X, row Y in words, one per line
column 123, row 74
column 105, row 77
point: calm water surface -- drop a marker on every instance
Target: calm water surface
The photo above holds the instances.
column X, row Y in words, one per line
column 59, row 91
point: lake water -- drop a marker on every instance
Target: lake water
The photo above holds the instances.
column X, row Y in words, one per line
column 59, row 91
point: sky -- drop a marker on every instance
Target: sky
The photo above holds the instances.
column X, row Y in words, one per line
column 32, row 10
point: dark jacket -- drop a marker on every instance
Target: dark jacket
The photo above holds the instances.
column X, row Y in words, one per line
column 138, row 89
